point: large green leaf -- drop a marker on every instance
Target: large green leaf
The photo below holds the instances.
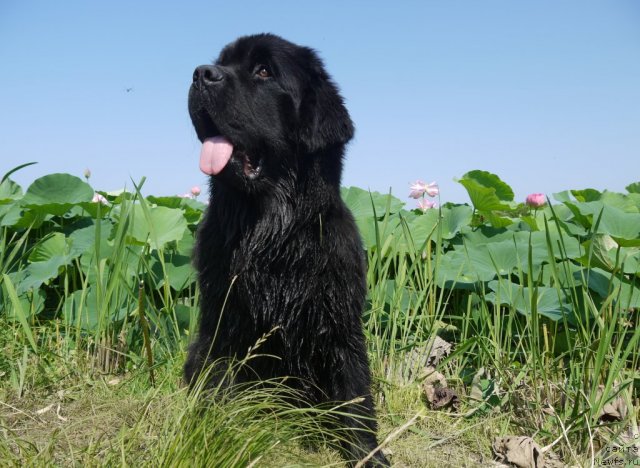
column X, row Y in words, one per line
column 31, row 303
column 80, row 310
column 489, row 180
column 582, row 216
column 39, row 273
column 375, row 211
column 457, row 270
column 629, row 259
column 550, row 302
column 398, row 298
column 454, row 220
column 510, row 250
column 596, row 253
column 52, row 246
column 625, row 292
column 565, row 275
column 92, row 243
column 180, row 272
column 496, row 220
column 186, row 245
column 168, row 201
column 485, row 234
column 388, row 229
column 56, row 193
column 422, row 227
column 18, row 217
column 626, row 202
column 193, row 210
column 93, row 209
column 162, row 225
column 362, row 202
column 563, row 246
column 562, row 197
column 602, row 251
column 622, row 226
column 184, row 315
column 85, row 239
column 563, row 215
column 9, row 191
column 47, row 260
column 482, row 197
column 134, row 260
column 586, row 195
column 633, row 188
column 509, row 256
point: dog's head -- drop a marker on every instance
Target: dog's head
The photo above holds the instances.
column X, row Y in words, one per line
column 261, row 107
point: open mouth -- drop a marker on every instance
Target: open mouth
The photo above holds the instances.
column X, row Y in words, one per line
column 217, row 150
column 250, row 168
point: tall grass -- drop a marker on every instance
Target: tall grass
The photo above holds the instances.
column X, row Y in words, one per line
column 553, row 380
column 249, row 425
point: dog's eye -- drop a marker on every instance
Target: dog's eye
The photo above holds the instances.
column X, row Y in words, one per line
column 263, row 71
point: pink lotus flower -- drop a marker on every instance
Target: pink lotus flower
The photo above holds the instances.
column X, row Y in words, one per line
column 433, row 189
column 419, row 188
column 195, row 191
column 425, row 204
column 535, row 200
column 98, row 198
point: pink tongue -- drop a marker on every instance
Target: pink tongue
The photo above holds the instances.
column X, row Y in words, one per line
column 215, row 154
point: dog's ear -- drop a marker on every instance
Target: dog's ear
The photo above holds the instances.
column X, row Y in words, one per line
column 323, row 117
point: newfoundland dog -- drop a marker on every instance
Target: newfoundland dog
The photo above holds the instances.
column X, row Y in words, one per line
column 278, row 252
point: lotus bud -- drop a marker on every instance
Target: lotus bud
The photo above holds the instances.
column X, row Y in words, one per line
column 98, row 198
column 536, row 200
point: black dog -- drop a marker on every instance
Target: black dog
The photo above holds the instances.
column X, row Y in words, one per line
column 278, row 251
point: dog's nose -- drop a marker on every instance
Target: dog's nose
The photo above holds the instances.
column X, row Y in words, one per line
column 208, row 75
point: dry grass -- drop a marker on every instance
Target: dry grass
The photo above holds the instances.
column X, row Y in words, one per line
column 92, row 420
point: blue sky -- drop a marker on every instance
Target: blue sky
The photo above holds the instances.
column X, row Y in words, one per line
column 545, row 94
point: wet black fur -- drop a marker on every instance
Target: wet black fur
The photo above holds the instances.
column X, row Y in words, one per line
column 282, row 247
